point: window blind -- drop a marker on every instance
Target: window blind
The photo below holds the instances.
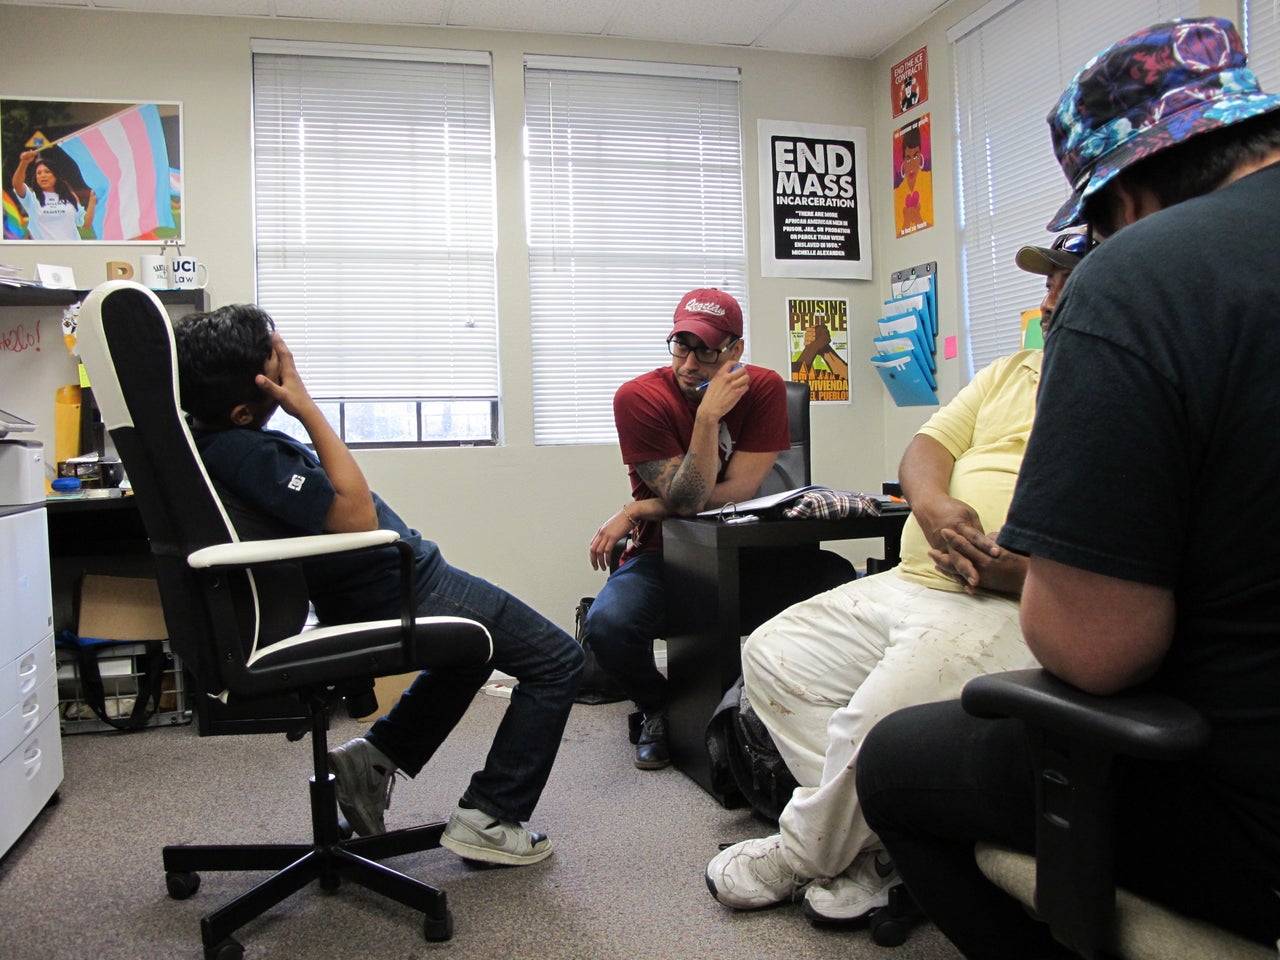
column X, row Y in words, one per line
column 1010, row 68
column 634, row 190
column 1261, row 30
column 374, row 218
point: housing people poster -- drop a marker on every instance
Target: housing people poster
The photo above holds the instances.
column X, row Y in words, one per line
column 814, row 212
column 819, row 332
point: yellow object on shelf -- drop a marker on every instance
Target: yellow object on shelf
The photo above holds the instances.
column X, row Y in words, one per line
column 66, row 423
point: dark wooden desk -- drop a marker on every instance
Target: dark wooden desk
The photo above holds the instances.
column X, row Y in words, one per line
column 106, row 535
column 701, row 565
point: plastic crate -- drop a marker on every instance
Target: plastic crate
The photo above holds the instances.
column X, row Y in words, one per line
column 121, row 666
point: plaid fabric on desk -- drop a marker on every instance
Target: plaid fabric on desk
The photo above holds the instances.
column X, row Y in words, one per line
column 832, row 505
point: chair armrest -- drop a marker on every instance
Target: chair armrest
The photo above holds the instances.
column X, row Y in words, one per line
column 1074, row 737
column 1138, row 723
column 249, row 552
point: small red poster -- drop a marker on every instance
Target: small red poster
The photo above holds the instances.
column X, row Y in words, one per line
column 909, row 82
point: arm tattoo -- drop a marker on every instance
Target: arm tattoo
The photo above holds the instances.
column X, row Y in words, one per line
column 683, row 490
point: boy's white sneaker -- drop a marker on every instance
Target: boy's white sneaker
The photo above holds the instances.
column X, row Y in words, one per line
column 474, row 835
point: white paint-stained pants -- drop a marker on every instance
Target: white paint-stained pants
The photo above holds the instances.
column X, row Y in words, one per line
column 823, row 672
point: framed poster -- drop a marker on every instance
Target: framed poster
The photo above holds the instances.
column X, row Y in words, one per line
column 912, row 177
column 84, row 171
column 909, row 82
column 819, row 340
column 815, row 216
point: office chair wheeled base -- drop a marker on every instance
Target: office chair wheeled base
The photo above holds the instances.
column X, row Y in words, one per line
column 891, row 924
column 330, row 859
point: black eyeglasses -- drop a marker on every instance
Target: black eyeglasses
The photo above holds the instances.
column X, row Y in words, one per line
column 1076, row 243
column 679, row 349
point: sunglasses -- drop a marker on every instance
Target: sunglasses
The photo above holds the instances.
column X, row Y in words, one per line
column 1075, row 243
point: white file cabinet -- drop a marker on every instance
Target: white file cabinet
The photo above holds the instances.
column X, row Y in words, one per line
column 30, row 738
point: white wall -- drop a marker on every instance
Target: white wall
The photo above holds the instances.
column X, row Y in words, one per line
column 519, row 515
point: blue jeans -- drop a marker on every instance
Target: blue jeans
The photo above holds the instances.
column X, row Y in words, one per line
column 546, row 662
column 631, row 609
column 627, row 614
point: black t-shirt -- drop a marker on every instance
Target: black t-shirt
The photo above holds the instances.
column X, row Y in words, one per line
column 1155, row 459
column 282, row 480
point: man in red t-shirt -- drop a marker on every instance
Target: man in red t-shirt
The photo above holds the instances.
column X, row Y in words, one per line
column 696, row 435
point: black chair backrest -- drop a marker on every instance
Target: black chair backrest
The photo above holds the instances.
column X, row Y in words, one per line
column 792, row 468
column 215, row 619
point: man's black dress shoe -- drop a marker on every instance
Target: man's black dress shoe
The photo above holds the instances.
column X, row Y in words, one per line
column 651, row 743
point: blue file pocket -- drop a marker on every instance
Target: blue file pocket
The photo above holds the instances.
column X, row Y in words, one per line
column 905, row 380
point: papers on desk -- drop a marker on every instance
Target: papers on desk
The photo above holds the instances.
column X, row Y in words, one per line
column 760, row 504
column 773, row 504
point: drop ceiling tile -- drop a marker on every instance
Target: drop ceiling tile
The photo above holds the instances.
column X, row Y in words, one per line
column 426, row 12
column 548, row 16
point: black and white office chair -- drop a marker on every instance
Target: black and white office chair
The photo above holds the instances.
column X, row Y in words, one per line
column 235, row 612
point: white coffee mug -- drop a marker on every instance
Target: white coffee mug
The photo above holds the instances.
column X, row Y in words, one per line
column 188, row 273
column 155, row 271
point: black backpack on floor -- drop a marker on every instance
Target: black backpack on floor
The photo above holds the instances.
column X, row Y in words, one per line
column 746, row 767
column 597, row 686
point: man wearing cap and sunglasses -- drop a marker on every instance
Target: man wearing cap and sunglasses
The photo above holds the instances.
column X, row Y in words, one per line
column 820, row 674
column 1158, row 405
column 697, row 434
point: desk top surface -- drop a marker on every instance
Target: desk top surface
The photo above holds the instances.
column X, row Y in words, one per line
column 762, row 533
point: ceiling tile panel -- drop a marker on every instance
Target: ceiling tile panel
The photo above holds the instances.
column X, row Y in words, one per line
column 426, row 12
column 735, row 22
column 548, row 16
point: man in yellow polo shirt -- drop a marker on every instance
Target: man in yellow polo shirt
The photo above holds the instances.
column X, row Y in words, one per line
column 820, row 674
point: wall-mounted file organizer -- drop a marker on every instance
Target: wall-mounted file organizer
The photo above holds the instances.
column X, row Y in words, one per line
column 907, row 335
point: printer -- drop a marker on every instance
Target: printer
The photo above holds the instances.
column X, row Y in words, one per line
column 21, row 463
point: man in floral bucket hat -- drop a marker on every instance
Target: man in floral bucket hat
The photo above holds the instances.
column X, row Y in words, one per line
column 1145, row 505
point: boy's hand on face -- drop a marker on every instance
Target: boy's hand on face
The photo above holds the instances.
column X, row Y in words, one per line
column 281, row 382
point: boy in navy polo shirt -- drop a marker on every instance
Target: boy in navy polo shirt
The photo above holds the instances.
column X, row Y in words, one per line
column 235, row 371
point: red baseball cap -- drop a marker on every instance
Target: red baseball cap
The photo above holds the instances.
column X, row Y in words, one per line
column 708, row 314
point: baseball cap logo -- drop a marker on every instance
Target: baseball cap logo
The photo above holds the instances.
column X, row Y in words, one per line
column 705, row 306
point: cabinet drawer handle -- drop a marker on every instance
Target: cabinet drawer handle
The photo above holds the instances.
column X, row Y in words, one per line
column 31, row 761
column 27, row 670
column 30, row 714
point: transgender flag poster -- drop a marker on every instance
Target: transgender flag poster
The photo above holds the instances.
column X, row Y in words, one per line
column 78, row 171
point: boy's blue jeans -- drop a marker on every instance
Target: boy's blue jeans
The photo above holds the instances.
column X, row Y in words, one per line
column 631, row 609
column 546, row 662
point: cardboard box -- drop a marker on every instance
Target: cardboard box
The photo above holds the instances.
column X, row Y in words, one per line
column 120, row 608
column 388, row 690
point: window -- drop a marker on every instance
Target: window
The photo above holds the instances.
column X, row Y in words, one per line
column 1013, row 60
column 634, row 187
column 1261, row 29
column 374, row 218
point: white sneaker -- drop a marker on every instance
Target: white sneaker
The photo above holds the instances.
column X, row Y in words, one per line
column 855, row 893
column 364, row 777
column 753, row 874
column 474, row 835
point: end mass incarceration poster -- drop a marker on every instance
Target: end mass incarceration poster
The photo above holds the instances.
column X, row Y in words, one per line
column 815, row 215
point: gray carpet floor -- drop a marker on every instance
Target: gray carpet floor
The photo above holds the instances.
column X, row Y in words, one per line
column 625, row 881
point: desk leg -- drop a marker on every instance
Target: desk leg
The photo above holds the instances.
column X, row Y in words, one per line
column 703, row 648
